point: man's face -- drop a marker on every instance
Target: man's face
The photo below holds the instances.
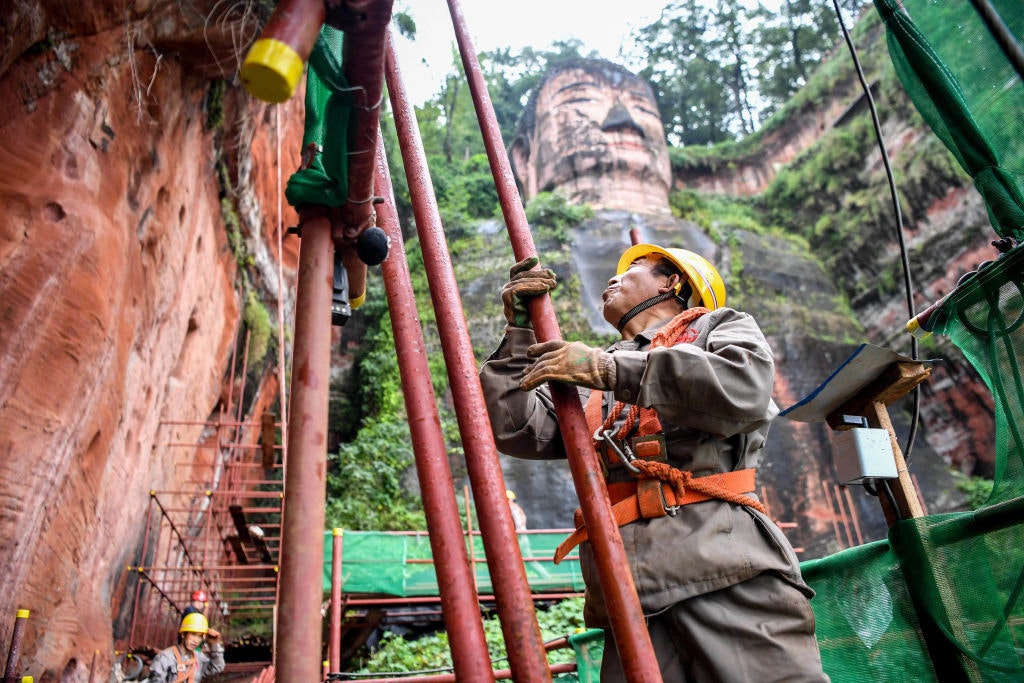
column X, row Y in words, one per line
column 599, row 124
column 192, row 640
column 637, row 284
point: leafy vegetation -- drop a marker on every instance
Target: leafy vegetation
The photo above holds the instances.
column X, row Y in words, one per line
column 720, row 69
column 551, row 215
column 978, row 489
column 257, row 322
column 430, row 653
column 365, row 481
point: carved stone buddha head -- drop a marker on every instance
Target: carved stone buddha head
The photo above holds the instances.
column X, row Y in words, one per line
column 591, row 132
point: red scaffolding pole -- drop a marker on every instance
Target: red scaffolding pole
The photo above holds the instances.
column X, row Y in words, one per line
column 624, row 612
column 454, row 574
column 515, row 608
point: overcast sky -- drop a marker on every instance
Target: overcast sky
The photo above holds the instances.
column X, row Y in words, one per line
column 601, row 25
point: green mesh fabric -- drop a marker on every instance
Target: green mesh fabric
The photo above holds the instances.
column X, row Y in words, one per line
column 967, row 91
column 328, row 125
column 866, row 626
column 944, row 592
column 983, row 318
column 398, row 564
column 940, row 600
column 588, row 646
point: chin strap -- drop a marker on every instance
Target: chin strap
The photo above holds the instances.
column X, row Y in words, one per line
column 644, row 305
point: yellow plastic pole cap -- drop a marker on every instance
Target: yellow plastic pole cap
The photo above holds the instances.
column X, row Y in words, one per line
column 271, row 70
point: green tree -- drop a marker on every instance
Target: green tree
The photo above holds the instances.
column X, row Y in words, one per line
column 790, row 42
column 719, row 71
column 688, row 83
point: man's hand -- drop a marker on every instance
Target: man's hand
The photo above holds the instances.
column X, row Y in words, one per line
column 524, row 283
column 569, row 362
column 212, row 636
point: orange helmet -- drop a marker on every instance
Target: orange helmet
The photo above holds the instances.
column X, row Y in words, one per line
column 199, row 595
column 707, row 285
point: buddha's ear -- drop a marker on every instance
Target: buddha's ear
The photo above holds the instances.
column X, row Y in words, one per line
column 519, row 155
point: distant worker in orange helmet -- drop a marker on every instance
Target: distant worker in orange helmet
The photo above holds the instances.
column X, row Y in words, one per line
column 186, row 662
column 679, row 408
column 197, row 603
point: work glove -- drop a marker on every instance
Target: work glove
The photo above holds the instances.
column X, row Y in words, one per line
column 524, row 283
column 213, row 641
column 569, row 362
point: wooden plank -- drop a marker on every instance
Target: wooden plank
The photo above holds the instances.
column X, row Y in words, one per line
column 236, row 545
column 241, row 526
column 268, row 440
column 898, row 380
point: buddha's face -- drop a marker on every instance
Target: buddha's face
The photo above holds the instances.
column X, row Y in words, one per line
column 598, row 140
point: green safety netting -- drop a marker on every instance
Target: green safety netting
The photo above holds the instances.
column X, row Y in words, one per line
column 400, row 564
column 968, row 92
column 588, row 646
column 329, row 123
column 940, row 599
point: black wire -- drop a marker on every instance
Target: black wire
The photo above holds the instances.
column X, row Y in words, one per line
column 884, row 485
column 908, row 287
column 1001, row 34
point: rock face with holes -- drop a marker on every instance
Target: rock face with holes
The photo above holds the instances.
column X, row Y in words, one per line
column 126, row 162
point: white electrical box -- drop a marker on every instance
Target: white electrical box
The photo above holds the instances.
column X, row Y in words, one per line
column 862, row 453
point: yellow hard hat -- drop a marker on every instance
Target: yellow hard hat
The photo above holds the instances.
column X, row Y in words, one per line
column 703, row 277
column 194, row 622
column 510, row 494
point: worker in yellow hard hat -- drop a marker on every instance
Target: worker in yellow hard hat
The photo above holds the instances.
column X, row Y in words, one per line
column 186, row 660
column 518, row 513
column 679, row 408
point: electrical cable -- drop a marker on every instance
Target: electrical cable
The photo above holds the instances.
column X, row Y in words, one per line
column 1001, row 34
column 908, row 287
column 884, row 485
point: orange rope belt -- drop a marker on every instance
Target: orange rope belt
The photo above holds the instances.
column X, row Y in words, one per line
column 653, row 497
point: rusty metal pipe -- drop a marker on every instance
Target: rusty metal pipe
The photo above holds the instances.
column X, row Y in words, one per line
column 515, row 607
column 624, row 612
column 459, row 601
column 273, row 65
column 305, row 494
column 334, row 644
column 14, row 654
column 362, row 60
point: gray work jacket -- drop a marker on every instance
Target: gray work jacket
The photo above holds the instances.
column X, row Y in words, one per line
column 713, row 399
column 164, row 668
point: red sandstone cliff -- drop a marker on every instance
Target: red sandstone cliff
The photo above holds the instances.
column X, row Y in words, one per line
column 119, row 291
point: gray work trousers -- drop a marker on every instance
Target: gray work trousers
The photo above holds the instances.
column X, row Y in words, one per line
column 759, row 630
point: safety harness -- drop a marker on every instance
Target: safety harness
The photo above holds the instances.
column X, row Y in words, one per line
column 659, row 489
column 186, row 668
